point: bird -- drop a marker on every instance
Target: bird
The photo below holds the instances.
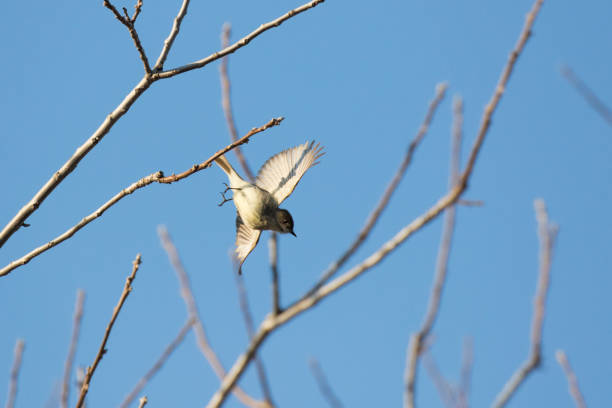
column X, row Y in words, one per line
column 257, row 203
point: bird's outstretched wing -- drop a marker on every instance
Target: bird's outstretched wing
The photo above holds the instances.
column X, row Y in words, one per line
column 281, row 173
column 246, row 239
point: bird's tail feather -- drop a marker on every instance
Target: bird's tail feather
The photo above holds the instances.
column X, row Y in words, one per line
column 225, row 165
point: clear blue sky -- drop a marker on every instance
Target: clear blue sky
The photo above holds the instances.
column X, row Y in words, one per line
column 357, row 77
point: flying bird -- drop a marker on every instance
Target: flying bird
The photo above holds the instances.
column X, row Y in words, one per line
column 257, row 203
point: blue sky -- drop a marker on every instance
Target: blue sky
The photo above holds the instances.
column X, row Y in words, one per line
column 358, row 78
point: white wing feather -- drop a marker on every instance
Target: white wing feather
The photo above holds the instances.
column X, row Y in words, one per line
column 282, row 172
column 246, row 239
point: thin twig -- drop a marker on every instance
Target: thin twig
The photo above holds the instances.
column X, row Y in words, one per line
column 143, row 401
column 248, row 322
column 572, row 380
column 143, row 182
column 76, row 328
column 192, row 312
column 22, row 215
column 272, row 322
column 226, row 102
column 470, row 203
column 415, row 347
column 158, row 364
column 384, row 200
column 466, row 373
column 127, row 288
column 547, row 235
column 129, row 22
column 273, row 249
column 12, row 390
column 592, row 99
column 445, row 390
column 324, row 387
column 238, row 44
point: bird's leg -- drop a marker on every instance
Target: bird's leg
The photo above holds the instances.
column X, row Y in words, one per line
column 225, row 200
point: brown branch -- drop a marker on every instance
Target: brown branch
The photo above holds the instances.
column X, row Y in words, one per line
column 76, row 328
column 102, row 350
column 129, row 22
column 415, row 347
column 238, row 44
column 226, row 102
column 547, row 234
column 18, row 356
column 384, row 200
column 143, row 182
column 192, row 312
column 272, row 322
column 22, row 215
column 143, row 401
column 158, row 364
column 324, row 387
column 273, row 249
column 572, row 380
column 592, row 99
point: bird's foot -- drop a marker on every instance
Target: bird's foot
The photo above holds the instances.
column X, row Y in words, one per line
column 225, row 199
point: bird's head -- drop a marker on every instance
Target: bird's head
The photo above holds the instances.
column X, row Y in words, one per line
column 285, row 221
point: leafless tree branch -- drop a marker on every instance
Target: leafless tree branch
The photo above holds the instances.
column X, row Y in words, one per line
column 143, row 182
column 272, row 322
column 415, row 347
column 102, row 350
column 129, row 23
column 273, row 249
column 547, row 234
column 12, row 390
column 592, row 99
column 226, row 102
column 384, row 200
column 572, row 380
column 466, row 373
column 158, row 364
column 323, row 384
column 76, row 328
column 445, row 389
column 192, row 313
column 22, row 215
column 143, row 401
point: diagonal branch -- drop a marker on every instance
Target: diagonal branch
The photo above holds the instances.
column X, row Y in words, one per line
column 572, row 380
column 129, row 23
column 586, row 92
column 176, row 27
column 143, row 182
column 326, row 389
column 547, row 235
column 158, row 364
column 12, row 391
column 272, row 322
column 102, row 350
column 415, row 347
column 192, row 312
column 384, row 200
column 76, row 328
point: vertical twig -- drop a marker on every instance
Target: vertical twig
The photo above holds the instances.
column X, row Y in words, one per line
column 415, row 347
column 12, row 390
column 192, row 312
column 158, row 365
column 466, row 373
column 102, row 350
column 76, row 328
column 324, row 387
column 547, row 234
column 572, row 380
column 273, row 249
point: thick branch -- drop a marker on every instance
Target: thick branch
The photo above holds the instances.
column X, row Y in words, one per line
column 102, row 350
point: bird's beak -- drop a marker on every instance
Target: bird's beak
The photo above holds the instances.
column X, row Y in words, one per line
column 293, row 233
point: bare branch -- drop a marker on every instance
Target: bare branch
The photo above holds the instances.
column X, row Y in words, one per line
column 547, row 236
column 445, row 389
column 192, row 313
column 415, row 347
column 176, row 27
column 572, row 380
column 272, row 322
column 143, row 401
column 466, row 373
column 226, row 102
column 129, row 22
column 102, row 350
column 158, row 364
column 384, row 200
column 273, row 249
column 592, row 99
column 76, row 328
column 323, row 384
column 143, row 182
column 237, row 45
column 12, row 390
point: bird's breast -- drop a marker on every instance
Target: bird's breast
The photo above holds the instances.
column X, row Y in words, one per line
column 256, row 207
